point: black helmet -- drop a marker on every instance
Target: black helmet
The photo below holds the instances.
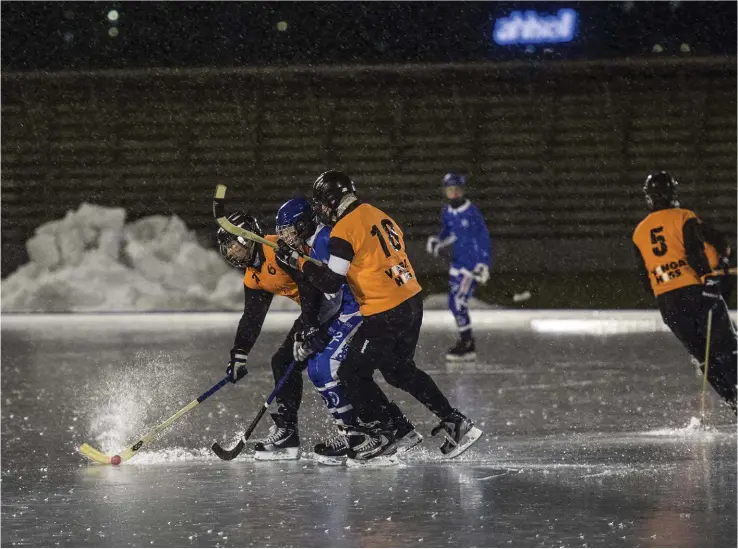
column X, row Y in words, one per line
column 328, row 191
column 237, row 251
column 660, row 189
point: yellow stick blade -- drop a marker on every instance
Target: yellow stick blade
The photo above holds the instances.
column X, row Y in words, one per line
column 94, row 454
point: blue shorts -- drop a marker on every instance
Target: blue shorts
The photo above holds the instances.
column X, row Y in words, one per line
column 323, row 367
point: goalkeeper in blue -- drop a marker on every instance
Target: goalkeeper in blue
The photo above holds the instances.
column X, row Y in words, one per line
column 464, row 229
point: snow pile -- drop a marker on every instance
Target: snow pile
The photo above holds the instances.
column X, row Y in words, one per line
column 92, row 261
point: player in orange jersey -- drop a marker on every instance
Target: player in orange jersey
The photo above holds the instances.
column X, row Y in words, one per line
column 670, row 250
column 367, row 250
column 263, row 279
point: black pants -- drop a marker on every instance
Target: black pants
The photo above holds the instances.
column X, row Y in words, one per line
column 290, row 397
column 386, row 342
column 685, row 312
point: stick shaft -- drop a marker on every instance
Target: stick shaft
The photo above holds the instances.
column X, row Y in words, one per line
column 228, row 455
column 707, row 364
column 269, row 400
column 148, row 437
column 255, row 422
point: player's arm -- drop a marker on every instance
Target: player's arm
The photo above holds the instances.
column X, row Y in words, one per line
column 255, row 307
column 642, row 271
column 481, row 236
column 329, row 278
column 694, row 246
column 310, row 301
column 716, row 239
column 330, row 304
column 446, row 237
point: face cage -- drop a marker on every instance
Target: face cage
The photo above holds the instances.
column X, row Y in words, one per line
column 236, row 261
column 651, row 200
column 289, row 235
column 324, row 213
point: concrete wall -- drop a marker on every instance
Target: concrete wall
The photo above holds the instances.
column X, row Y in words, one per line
column 555, row 153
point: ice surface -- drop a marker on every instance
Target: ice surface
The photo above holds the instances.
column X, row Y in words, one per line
column 587, row 443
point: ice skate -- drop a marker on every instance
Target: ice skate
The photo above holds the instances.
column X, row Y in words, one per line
column 459, row 431
column 282, row 443
column 333, row 451
column 406, row 437
column 370, row 444
column 463, row 350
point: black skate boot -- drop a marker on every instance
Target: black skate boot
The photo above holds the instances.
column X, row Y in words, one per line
column 370, row 443
column 283, row 442
column 463, row 350
column 459, row 431
column 406, row 437
column 334, row 450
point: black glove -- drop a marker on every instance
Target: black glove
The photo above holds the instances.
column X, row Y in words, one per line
column 237, row 366
column 287, row 256
column 309, row 342
column 723, row 265
column 711, row 289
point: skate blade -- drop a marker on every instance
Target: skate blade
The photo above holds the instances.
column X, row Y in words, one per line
column 377, row 462
column 286, row 454
column 409, row 442
column 466, row 441
column 330, row 461
column 461, row 358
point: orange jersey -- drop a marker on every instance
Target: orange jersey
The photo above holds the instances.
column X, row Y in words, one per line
column 380, row 276
column 660, row 239
column 270, row 277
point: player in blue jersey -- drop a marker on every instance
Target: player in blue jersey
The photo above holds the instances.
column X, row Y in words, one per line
column 325, row 346
column 465, row 229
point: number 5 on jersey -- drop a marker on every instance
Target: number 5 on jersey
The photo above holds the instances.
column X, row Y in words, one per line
column 659, row 239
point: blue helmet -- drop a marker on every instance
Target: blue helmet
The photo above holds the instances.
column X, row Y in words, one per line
column 295, row 221
column 454, row 180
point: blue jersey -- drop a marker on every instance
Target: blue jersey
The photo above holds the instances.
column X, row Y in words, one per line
column 319, row 251
column 465, row 228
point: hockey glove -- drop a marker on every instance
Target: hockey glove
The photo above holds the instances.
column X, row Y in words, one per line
column 308, row 343
column 433, row 245
column 711, row 289
column 481, row 273
column 723, row 265
column 287, row 257
column 237, row 366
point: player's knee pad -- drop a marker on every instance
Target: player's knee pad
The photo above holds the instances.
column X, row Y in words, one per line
column 460, row 312
column 338, row 404
column 460, row 290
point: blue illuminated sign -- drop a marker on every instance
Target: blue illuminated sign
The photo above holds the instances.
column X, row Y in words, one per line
column 532, row 27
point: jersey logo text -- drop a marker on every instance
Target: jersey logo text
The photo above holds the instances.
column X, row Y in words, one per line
column 668, row 271
column 399, row 273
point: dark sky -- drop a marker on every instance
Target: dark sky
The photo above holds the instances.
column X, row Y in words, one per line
column 53, row 35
